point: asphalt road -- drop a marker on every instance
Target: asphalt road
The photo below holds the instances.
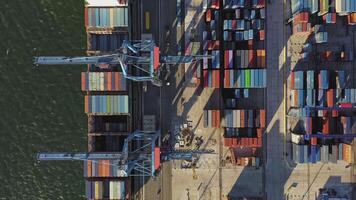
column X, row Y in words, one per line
column 156, row 101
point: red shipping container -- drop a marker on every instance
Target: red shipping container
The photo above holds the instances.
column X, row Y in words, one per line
column 227, row 79
column 86, row 16
column 213, row 45
column 83, row 81
column 205, row 76
column 325, row 113
column 226, row 59
column 227, row 142
column 313, row 141
column 157, row 158
column 234, row 142
column 345, row 105
column 251, row 58
column 259, row 142
column 292, row 80
column 259, row 132
column 253, row 141
column 250, row 44
column 330, row 97
column 334, row 113
column 216, row 78
column 234, row 24
column 260, row 3
column 208, row 15
column 263, row 118
column 218, row 118
column 242, row 118
column 215, row 4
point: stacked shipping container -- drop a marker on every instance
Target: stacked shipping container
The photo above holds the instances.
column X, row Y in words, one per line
column 321, row 153
column 244, row 69
column 108, row 189
column 315, row 100
column 212, row 118
column 107, row 104
column 103, row 81
column 211, row 36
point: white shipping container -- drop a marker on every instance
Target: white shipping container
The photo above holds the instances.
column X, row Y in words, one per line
column 105, row 3
column 297, row 139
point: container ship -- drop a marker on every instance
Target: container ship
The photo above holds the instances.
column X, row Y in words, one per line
column 107, row 99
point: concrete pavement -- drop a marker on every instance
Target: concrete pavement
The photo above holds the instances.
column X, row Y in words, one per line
column 276, row 171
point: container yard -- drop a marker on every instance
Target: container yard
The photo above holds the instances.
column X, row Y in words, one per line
column 237, row 99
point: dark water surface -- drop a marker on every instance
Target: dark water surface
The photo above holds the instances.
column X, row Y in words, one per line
column 41, row 108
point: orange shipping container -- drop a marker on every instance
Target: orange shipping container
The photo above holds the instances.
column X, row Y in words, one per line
column 351, row 18
column 106, row 165
column 83, row 81
column 263, row 58
column 86, row 16
column 109, row 81
column 347, row 153
column 218, row 119
column 330, row 97
column 101, row 170
column 262, row 35
column 227, row 79
column 89, row 168
column 263, row 118
column 86, row 104
column 314, row 141
column 326, row 125
column 117, row 80
column 208, row 15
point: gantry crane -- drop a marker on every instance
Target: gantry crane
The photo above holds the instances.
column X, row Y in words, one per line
column 143, row 55
column 140, row 155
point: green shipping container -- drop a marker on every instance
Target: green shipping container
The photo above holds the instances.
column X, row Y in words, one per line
column 247, row 78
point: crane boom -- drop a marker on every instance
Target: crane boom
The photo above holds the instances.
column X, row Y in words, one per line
column 143, row 55
column 61, row 60
column 165, row 155
column 78, row 156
